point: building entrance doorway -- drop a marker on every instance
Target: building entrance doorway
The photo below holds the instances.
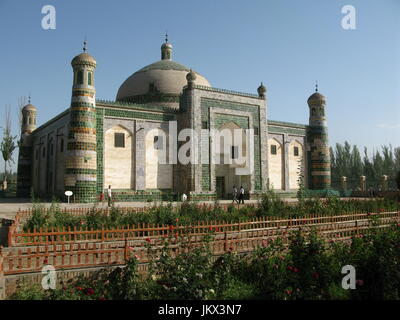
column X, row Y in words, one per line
column 220, row 187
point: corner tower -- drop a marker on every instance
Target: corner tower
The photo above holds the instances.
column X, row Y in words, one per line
column 317, row 136
column 24, row 175
column 81, row 158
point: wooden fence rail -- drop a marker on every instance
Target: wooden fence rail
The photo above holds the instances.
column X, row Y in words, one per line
column 90, row 254
column 82, row 234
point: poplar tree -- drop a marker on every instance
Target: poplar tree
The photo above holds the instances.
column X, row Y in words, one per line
column 8, row 144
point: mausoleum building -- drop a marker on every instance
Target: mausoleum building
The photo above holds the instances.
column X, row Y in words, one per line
column 131, row 143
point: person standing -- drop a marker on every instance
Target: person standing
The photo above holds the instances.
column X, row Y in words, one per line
column 241, row 195
column 235, row 192
column 109, row 195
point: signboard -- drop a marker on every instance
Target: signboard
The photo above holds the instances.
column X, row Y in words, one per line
column 68, row 194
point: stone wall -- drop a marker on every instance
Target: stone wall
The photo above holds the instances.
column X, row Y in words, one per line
column 287, row 136
column 48, row 158
column 276, row 165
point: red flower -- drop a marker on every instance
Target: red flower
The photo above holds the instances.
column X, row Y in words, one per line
column 177, row 219
column 290, row 268
column 359, row 282
column 171, row 227
column 315, row 275
column 89, row 291
column 288, row 292
column 295, row 270
column 45, row 261
column 148, row 240
column 102, row 299
column 265, row 243
column 79, row 288
column 165, row 235
column 176, row 235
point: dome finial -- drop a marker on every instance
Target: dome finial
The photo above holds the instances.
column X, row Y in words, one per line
column 29, row 99
column 316, row 86
column 85, row 45
column 166, row 49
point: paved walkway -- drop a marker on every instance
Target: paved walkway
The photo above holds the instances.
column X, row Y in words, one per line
column 10, row 206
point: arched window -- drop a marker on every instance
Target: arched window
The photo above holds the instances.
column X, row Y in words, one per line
column 89, row 78
column 313, row 111
column 79, row 77
column 30, row 120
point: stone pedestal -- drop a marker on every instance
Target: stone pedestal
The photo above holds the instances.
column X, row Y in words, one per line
column 384, row 182
column 363, row 183
column 343, row 183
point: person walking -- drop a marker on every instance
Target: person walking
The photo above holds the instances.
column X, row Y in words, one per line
column 235, row 193
column 109, row 195
column 241, row 195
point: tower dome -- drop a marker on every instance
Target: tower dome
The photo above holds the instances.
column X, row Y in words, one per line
column 316, row 98
column 159, row 82
column 28, row 118
column 261, row 90
column 29, row 107
column 191, row 76
column 84, row 58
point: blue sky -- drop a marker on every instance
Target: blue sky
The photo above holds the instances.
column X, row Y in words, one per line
column 235, row 44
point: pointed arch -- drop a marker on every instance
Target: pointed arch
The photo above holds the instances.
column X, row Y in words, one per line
column 276, row 164
column 119, row 159
column 296, row 163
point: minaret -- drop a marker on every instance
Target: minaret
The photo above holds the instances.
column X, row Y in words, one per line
column 81, row 157
column 166, row 50
column 317, row 136
column 24, row 175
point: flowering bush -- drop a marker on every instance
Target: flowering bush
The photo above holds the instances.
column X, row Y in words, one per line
column 308, row 269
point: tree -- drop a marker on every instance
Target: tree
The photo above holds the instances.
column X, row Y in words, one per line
column 357, row 167
column 7, row 145
column 22, row 102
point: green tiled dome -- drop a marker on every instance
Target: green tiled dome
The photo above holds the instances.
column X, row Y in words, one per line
column 162, row 77
column 165, row 65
